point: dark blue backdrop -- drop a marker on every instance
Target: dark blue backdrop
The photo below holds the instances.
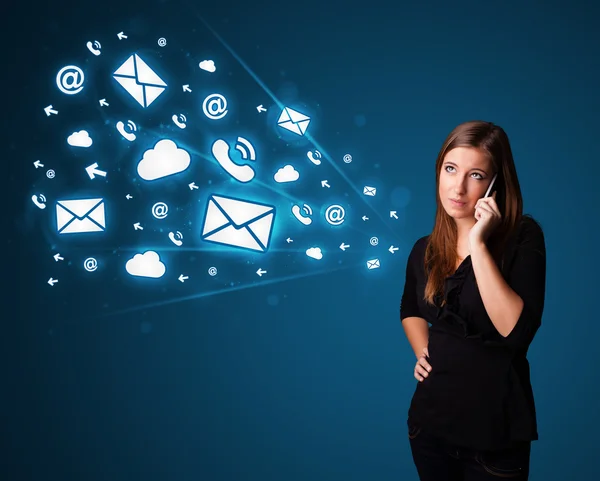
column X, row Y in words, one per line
column 304, row 373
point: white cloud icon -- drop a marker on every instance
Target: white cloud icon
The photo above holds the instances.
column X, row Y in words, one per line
column 315, row 253
column 80, row 139
column 163, row 160
column 207, row 65
column 287, row 174
column 147, row 264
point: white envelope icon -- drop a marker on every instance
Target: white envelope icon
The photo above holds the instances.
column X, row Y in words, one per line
column 370, row 191
column 238, row 223
column 139, row 80
column 373, row 264
column 81, row 215
column 293, row 121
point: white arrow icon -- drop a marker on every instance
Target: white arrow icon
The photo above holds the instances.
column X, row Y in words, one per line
column 121, row 35
column 364, row 217
column 103, row 103
column 38, row 164
column 57, row 257
column 393, row 214
column 128, row 196
column 183, row 278
column 92, row 171
column 344, row 247
column 260, row 108
column 186, row 88
column 49, row 110
column 137, row 226
column 324, row 183
column 260, row 272
column 193, row 186
column 289, row 240
column 393, row 249
column 52, row 281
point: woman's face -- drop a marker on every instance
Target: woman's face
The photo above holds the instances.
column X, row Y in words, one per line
column 464, row 178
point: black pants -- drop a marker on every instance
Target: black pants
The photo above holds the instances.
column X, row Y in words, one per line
column 437, row 460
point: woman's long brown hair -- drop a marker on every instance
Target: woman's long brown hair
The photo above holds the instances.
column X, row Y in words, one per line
column 441, row 254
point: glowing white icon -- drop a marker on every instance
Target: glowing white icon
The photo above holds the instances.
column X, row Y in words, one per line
column 315, row 157
column 90, row 264
column 207, row 65
column 80, row 215
column 162, row 42
column 373, row 264
column 179, row 120
column 80, row 139
column 373, row 241
column 215, row 106
column 369, row 191
column 39, row 201
column 293, row 121
column 335, row 214
column 347, row 158
column 139, row 80
column 50, row 174
column 127, row 131
column 238, row 223
column 147, row 264
column 241, row 173
column 303, row 216
column 176, row 238
column 160, row 210
column 286, row 174
column 70, row 79
column 212, row 271
column 163, row 160
column 94, row 47
column 315, row 253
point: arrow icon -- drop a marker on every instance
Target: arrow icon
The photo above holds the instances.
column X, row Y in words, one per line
column 49, row 110
column 364, row 217
column 193, row 186
column 393, row 249
column 128, row 196
column 289, row 240
column 93, row 171
column 37, row 164
column 393, row 214
column 186, row 88
column 103, row 103
column 52, row 281
column 182, row 278
column 260, row 109
column 137, row 226
column 324, row 183
column 121, row 35
column 57, row 257
column 260, row 272
column 344, row 247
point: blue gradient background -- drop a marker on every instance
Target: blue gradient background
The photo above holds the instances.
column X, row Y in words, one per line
column 307, row 377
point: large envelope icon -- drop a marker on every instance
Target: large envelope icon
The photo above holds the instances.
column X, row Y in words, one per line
column 139, row 80
column 373, row 264
column 238, row 223
column 293, row 121
column 370, row 191
column 81, row 215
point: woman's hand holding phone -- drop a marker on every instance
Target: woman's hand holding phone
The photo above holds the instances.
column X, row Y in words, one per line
column 488, row 218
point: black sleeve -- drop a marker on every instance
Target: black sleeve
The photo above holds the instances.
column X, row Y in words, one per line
column 409, row 306
column 527, row 277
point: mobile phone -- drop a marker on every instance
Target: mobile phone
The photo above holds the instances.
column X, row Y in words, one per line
column 491, row 185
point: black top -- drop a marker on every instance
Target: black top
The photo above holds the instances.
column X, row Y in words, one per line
column 478, row 394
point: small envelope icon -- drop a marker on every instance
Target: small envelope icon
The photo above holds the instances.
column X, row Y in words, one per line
column 293, row 121
column 238, row 223
column 81, row 215
column 139, row 80
column 373, row 264
column 370, row 191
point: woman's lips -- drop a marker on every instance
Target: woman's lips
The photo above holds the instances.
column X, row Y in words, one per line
column 458, row 204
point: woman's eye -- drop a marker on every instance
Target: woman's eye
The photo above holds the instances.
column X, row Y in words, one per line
column 449, row 167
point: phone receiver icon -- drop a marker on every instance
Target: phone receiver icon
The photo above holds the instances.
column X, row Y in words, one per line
column 94, row 47
column 176, row 238
column 303, row 218
column 39, row 201
column 314, row 158
column 180, row 123
column 241, row 173
column 127, row 135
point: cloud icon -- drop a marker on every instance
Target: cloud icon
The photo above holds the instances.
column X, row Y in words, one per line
column 287, row 174
column 315, row 253
column 207, row 65
column 163, row 160
column 147, row 264
column 79, row 139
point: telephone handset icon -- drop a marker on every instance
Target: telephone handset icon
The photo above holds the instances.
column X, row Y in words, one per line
column 241, row 173
column 39, row 201
column 303, row 215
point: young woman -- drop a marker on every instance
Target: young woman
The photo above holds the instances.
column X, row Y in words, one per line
column 472, row 303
